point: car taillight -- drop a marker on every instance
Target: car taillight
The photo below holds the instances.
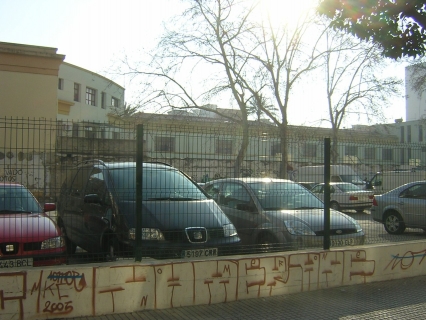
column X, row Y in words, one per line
column 374, row 202
column 353, row 198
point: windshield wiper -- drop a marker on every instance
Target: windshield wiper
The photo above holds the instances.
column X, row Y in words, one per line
column 171, row 199
column 274, row 208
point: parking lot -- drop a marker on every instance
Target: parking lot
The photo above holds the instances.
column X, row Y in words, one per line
column 374, row 231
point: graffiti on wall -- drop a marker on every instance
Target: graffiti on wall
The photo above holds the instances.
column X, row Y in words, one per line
column 83, row 290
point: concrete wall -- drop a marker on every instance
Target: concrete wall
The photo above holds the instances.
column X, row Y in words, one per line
column 127, row 286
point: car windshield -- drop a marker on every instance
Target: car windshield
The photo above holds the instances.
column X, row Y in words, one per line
column 284, row 195
column 158, row 184
column 17, row 199
column 348, row 187
column 351, row 179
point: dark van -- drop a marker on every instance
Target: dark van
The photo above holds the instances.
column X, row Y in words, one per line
column 97, row 212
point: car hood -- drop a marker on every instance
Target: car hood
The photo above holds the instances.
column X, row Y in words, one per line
column 173, row 215
column 26, row 227
column 315, row 218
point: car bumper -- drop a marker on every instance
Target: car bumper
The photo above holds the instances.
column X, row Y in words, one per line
column 164, row 249
column 353, row 239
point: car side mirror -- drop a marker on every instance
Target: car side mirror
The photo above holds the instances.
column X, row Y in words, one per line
column 49, row 207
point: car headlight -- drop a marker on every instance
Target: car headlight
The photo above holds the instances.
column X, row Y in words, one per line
column 298, row 228
column 147, row 234
column 229, row 230
column 52, row 243
column 357, row 225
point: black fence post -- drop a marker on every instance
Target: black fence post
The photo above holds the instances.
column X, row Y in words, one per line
column 327, row 193
column 139, row 172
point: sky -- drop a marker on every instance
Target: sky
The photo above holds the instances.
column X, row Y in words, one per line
column 97, row 34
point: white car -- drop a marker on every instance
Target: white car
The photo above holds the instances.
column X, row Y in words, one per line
column 345, row 196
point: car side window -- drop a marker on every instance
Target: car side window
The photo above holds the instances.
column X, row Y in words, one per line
column 213, row 191
column 417, row 191
column 318, row 189
column 80, row 181
column 235, row 196
column 96, row 186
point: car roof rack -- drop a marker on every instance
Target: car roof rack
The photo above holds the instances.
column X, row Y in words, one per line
column 91, row 161
column 158, row 162
column 98, row 161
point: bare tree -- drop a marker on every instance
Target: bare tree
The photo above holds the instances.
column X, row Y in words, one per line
column 211, row 42
column 355, row 84
column 286, row 54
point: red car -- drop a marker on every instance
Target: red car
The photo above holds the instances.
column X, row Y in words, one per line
column 28, row 237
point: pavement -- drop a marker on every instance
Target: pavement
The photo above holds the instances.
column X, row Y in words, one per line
column 395, row 299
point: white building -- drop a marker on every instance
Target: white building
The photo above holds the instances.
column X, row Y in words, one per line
column 86, row 96
column 415, row 102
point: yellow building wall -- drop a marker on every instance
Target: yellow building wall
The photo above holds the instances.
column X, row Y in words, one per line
column 26, row 95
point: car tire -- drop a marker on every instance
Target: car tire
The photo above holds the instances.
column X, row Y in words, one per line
column 335, row 206
column 393, row 223
column 109, row 247
column 71, row 247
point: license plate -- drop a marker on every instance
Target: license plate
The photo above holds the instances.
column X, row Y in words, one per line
column 199, row 253
column 342, row 242
column 16, row 263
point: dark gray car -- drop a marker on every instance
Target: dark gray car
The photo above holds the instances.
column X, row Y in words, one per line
column 97, row 212
column 280, row 214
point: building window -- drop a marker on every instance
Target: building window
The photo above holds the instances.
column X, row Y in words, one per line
column 351, row 151
column 275, row 149
column 165, row 144
column 402, row 140
column 223, row 146
column 77, row 91
column 387, row 154
column 420, row 133
column 370, row 153
column 408, row 134
column 115, row 102
column 75, row 130
column 61, row 84
column 310, row 150
column 103, row 100
column 116, row 135
column 89, row 132
column 90, row 96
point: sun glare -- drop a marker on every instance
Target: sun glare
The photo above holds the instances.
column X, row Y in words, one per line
column 285, row 12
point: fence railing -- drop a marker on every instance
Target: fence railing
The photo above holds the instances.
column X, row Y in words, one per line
column 94, row 213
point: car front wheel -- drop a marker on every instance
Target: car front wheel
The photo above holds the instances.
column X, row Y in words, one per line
column 109, row 248
column 393, row 223
column 71, row 247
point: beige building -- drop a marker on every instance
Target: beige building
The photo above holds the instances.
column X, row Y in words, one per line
column 29, row 81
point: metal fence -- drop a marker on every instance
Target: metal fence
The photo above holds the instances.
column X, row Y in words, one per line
column 84, row 175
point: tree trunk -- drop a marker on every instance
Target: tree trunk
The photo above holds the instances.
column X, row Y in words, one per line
column 284, row 152
column 243, row 149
